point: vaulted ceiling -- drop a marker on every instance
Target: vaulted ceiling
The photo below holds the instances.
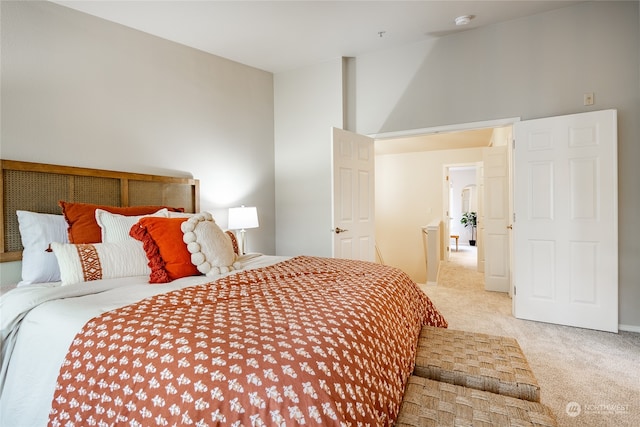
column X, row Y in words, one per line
column 281, row 35
column 277, row 36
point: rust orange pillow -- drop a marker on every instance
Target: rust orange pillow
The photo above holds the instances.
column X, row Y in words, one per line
column 234, row 242
column 81, row 218
column 168, row 256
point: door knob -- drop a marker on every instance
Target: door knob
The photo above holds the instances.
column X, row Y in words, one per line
column 339, row 230
column 510, row 227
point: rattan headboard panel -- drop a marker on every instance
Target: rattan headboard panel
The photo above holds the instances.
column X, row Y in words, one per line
column 38, row 187
column 95, row 189
column 159, row 193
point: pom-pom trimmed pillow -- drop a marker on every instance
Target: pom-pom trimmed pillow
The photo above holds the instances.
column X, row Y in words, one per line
column 166, row 252
column 37, row 231
column 231, row 234
column 81, row 218
column 211, row 248
column 116, row 227
column 88, row 262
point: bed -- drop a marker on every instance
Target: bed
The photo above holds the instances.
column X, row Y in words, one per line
column 258, row 340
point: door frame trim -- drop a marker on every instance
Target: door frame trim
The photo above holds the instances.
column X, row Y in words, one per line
column 446, row 200
column 447, row 128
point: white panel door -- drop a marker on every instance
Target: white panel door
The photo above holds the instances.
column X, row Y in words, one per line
column 566, row 226
column 497, row 273
column 353, row 196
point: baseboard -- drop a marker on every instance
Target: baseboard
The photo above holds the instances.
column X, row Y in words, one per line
column 629, row 328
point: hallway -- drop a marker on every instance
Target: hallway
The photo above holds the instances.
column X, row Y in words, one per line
column 461, row 271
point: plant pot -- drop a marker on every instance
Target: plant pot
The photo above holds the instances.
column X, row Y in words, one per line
column 472, row 242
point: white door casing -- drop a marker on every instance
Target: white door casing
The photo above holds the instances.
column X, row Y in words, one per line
column 447, row 192
column 495, row 216
column 480, row 232
column 566, row 226
column 353, row 196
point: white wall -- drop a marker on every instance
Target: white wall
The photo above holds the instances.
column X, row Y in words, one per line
column 81, row 91
column 409, row 196
column 308, row 103
column 533, row 67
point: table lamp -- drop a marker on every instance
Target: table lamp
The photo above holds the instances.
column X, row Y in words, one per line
column 240, row 219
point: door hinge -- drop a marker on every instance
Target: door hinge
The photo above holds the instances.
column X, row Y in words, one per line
column 513, row 143
column 514, row 290
column 514, row 217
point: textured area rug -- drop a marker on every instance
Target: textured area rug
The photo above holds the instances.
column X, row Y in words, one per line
column 587, row 378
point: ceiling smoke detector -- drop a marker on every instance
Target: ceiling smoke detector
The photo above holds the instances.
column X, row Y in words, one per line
column 463, row 20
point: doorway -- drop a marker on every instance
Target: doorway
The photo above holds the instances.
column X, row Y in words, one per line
column 463, row 199
column 461, row 271
column 411, row 190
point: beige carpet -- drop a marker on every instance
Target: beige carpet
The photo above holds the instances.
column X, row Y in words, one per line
column 588, row 378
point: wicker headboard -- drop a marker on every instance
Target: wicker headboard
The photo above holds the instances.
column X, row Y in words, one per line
column 38, row 187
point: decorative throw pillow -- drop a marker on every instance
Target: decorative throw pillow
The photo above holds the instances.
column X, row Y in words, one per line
column 116, row 227
column 37, row 231
column 211, row 248
column 232, row 235
column 234, row 241
column 87, row 262
column 81, row 218
column 166, row 252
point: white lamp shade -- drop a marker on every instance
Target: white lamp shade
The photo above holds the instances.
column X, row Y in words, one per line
column 243, row 217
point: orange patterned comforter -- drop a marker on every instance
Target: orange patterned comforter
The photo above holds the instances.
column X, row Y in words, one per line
column 309, row 341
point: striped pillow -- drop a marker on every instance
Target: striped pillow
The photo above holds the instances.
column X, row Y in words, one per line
column 116, row 227
column 95, row 261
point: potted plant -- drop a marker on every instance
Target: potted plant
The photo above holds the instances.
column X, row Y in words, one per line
column 470, row 219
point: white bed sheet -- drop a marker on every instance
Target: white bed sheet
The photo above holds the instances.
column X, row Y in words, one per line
column 38, row 324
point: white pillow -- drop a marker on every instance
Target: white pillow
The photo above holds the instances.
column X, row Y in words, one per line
column 37, row 231
column 211, row 248
column 95, row 261
column 180, row 214
column 116, row 227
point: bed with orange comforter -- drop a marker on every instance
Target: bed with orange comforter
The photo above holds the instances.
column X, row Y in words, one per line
column 276, row 341
column 308, row 341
